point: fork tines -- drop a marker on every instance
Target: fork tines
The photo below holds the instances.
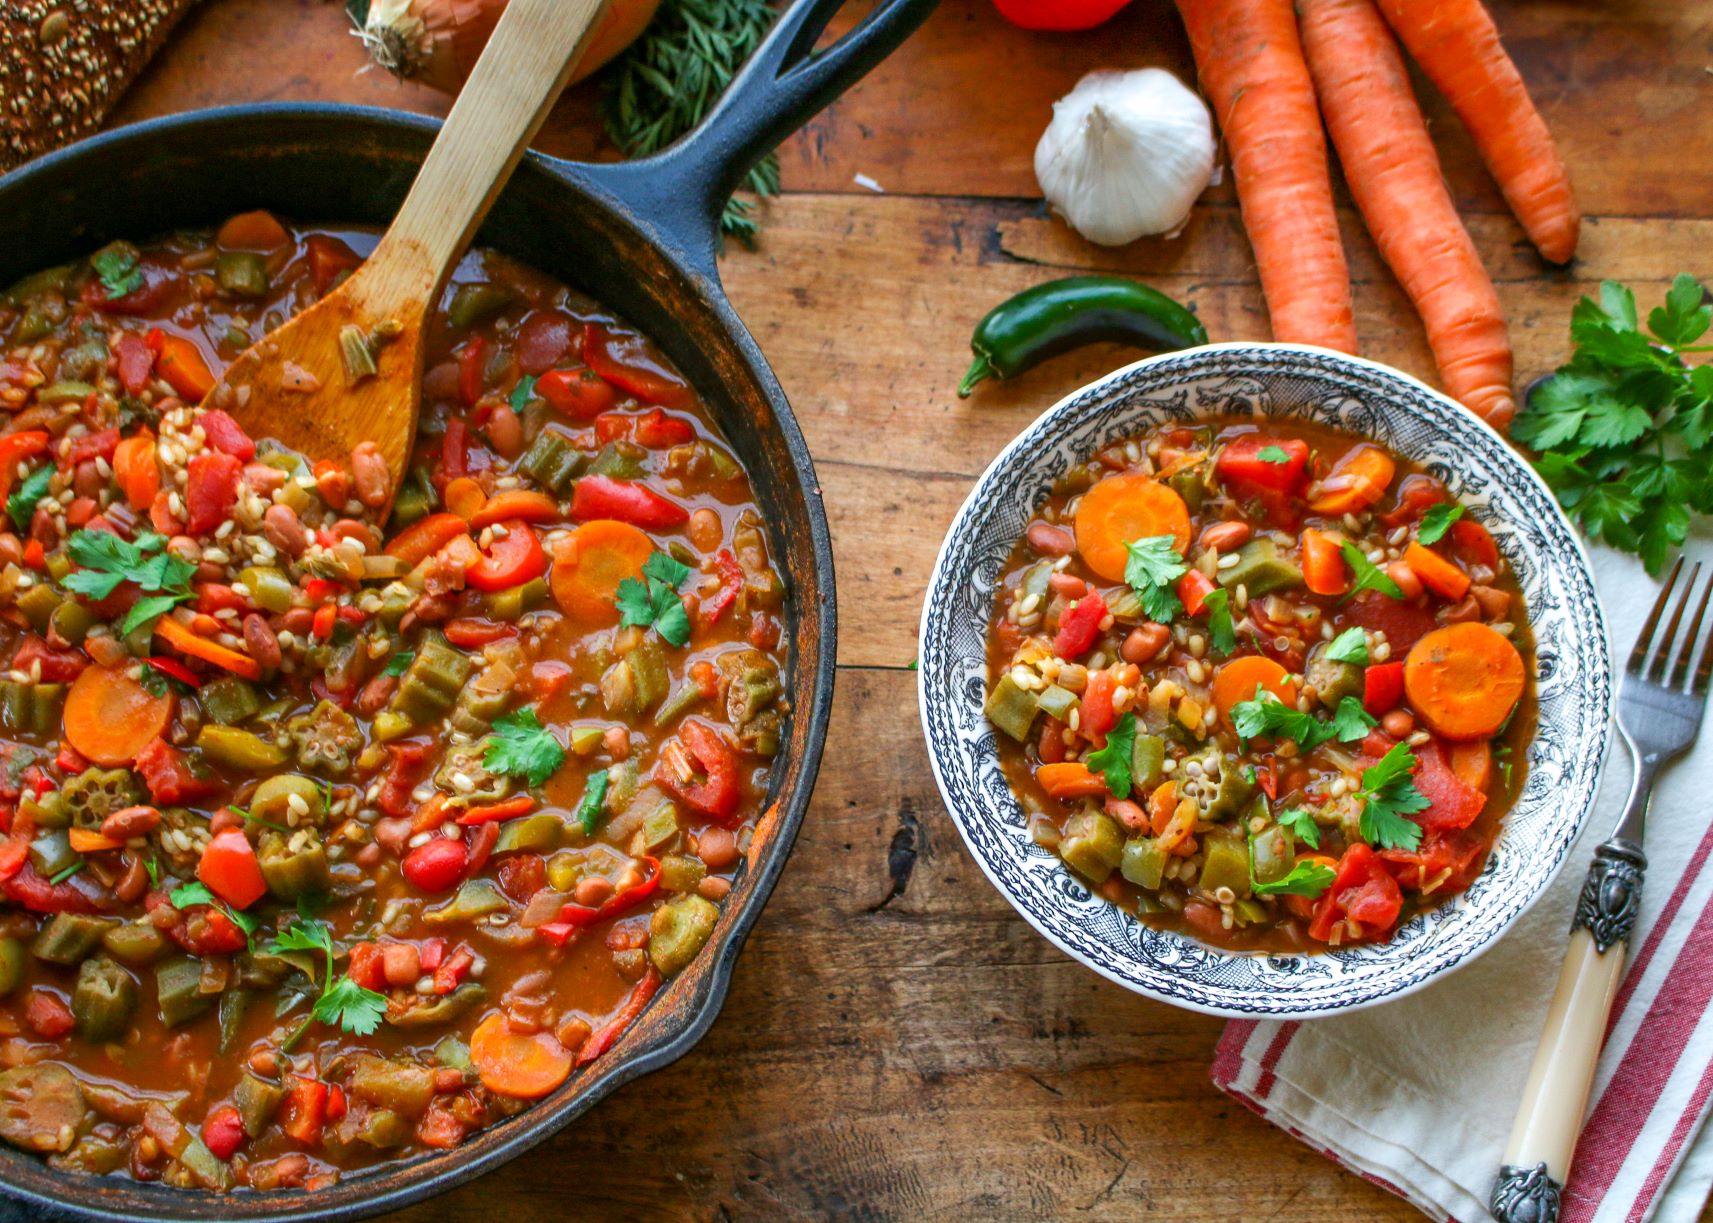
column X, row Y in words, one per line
column 1671, row 654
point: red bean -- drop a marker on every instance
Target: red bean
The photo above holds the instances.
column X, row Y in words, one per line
column 1067, row 584
column 717, row 848
column 375, row 694
column 1406, row 579
column 264, row 643
column 436, row 865
column 590, row 892
column 87, row 480
column 369, row 473
column 1399, row 724
column 280, row 524
column 505, row 432
column 132, row 885
column 297, row 620
column 1224, row 536
column 1045, row 539
column 1464, row 609
column 1145, row 642
column 130, row 822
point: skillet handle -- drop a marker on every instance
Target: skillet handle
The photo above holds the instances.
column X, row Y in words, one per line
column 684, row 188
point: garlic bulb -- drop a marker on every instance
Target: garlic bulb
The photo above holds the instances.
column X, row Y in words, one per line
column 1126, row 155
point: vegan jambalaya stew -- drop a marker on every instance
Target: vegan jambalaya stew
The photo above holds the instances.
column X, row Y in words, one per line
column 325, row 841
column 1265, row 684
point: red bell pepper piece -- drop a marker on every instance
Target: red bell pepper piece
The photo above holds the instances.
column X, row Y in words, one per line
column 473, row 632
column 580, row 394
column 1079, row 627
column 367, row 966
column 658, row 431
column 627, row 501
column 174, row 669
column 1382, row 688
column 573, row 916
column 455, row 449
column 47, row 1015
column 453, row 969
column 623, row 359
column 508, row 562
column 720, row 794
column 601, row 1041
column 305, row 1110
column 491, row 813
column 1193, row 589
column 228, row 866
column 470, row 371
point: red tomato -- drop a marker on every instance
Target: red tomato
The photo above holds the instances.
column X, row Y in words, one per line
column 1193, row 589
column 1242, row 468
column 212, row 491
column 719, row 795
column 1471, row 543
column 223, row 1132
column 97, row 445
column 658, row 431
column 1058, row 14
column 36, row 894
column 1362, row 891
column 136, row 363
column 227, row 435
column 580, row 394
column 436, row 865
column 627, row 501
column 1455, row 803
column 47, row 1015
column 1382, row 687
column 1080, row 626
column 167, row 773
column 511, row 561
column 1098, row 716
column 141, row 300
column 624, row 360
column 50, row 666
column 367, row 967
column 1445, row 860
column 228, row 866
column 1403, row 623
column 471, row 371
column 305, row 1110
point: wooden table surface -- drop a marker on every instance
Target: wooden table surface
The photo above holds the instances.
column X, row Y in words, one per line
column 897, row 1043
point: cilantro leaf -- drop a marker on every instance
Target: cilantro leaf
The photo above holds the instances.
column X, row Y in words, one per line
column 667, row 569
column 521, row 747
column 304, row 934
column 119, row 271
column 594, row 800
column 1300, row 822
column 1369, row 576
column 21, row 505
column 1388, row 795
column 1220, row 630
column 1349, row 646
column 654, row 600
column 351, row 1007
column 1113, row 760
column 1304, row 879
column 1152, row 571
column 673, row 623
column 397, row 664
column 1437, row 521
column 1273, row 454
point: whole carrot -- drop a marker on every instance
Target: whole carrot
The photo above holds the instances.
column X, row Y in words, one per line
column 1251, row 67
column 1457, row 45
column 1393, row 172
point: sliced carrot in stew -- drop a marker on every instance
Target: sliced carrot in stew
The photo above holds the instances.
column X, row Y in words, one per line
column 252, row 231
column 110, row 717
column 1237, row 680
column 1070, row 779
column 181, row 363
column 525, row 1065
column 1122, row 509
column 1463, row 680
column 1358, row 480
column 464, row 497
column 1472, row 763
column 136, row 470
column 90, row 841
column 518, row 503
column 1438, row 574
column 186, row 642
column 589, row 564
column 422, row 539
column 1324, row 570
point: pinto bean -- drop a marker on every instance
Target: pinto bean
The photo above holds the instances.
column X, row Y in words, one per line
column 1127, row 813
column 505, row 431
column 1224, row 536
column 617, row 742
column 280, row 524
column 263, row 642
column 208, row 571
column 1406, row 579
column 714, row 887
column 718, row 848
column 401, row 964
column 130, row 822
column 375, row 694
column 87, row 480
column 1400, row 724
column 1045, row 539
column 1495, row 603
column 351, row 528
column 1464, row 609
column 369, row 473
column 705, row 530
column 1068, row 585
column 590, row 892
column 1145, row 641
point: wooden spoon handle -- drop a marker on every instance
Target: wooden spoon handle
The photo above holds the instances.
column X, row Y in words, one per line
column 519, row 75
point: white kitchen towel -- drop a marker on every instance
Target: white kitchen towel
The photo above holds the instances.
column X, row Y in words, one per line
column 1418, row 1095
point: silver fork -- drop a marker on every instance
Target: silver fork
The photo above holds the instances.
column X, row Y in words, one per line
column 1660, row 705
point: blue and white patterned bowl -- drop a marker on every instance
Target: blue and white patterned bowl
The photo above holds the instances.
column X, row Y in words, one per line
column 1289, row 382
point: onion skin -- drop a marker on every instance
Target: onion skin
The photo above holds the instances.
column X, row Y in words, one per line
column 437, row 42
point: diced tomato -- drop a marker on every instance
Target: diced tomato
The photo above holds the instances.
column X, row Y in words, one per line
column 166, row 772
column 1471, row 543
column 1445, row 862
column 1362, row 891
column 719, row 794
column 483, row 838
column 542, row 339
column 1382, row 687
column 1403, row 623
column 1242, row 469
column 452, row 970
column 1193, row 589
column 305, row 1110
column 627, row 501
column 40, row 896
column 136, row 362
column 223, row 1132
column 1454, row 802
column 440, row 1127
column 731, row 583
column 578, row 393
column 474, row 633
column 471, row 370
column 623, row 359
column 14, row 449
column 329, row 259
column 212, row 491
column 1079, row 626
column 97, row 445
column 431, row 952
column 228, row 866
column 522, row 876
column 455, row 449
column 511, row 561
column 367, row 966
column 42, row 662
column 47, row 1015
column 1098, row 716
column 212, row 597
column 205, row 930
column 226, row 435
column 409, row 765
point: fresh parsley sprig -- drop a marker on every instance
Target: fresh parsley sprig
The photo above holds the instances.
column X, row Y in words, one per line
column 1625, row 427
column 1349, row 646
column 1273, row 454
column 21, row 505
column 120, row 272
column 1437, row 521
column 1304, row 879
column 1113, row 761
column 106, row 562
column 1388, row 795
column 522, row 747
column 655, row 599
column 188, row 894
column 343, row 1003
column 1369, row 576
column 1221, row 632
column 1300, row 822
column 594, row 802
column 1266, row 715
column 1152, row 571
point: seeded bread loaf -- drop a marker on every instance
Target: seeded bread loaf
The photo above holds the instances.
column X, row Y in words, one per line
column 65, row 63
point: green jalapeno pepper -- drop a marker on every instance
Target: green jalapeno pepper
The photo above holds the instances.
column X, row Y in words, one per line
column 1060, row 315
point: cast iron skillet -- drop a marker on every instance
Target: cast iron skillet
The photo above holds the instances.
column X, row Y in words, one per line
column 639, row 237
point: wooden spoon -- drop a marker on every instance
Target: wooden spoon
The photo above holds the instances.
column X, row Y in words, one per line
column 309, row 384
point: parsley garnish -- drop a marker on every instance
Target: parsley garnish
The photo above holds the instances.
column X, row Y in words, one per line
column 1269, row 716
column 119, row 271
column 1304, row 879
column 187, row 894
column 1152, row 571
column 654, row 600
column 1369, row 576
column 106, row 562
column 1300, row 822
column 523, row 392
column 1437, row 521
column 397, row 663
column 594, row 800
column 1349, row 646
column 243, row 813
column 1220, row 630
column 1273, row 454
column 522, row 747
column 67, row 873
column 1113, row 760
column 343, row 1003
column 1625, row 428
column 1389, row 795
column 21, row 505
column 152, row 864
